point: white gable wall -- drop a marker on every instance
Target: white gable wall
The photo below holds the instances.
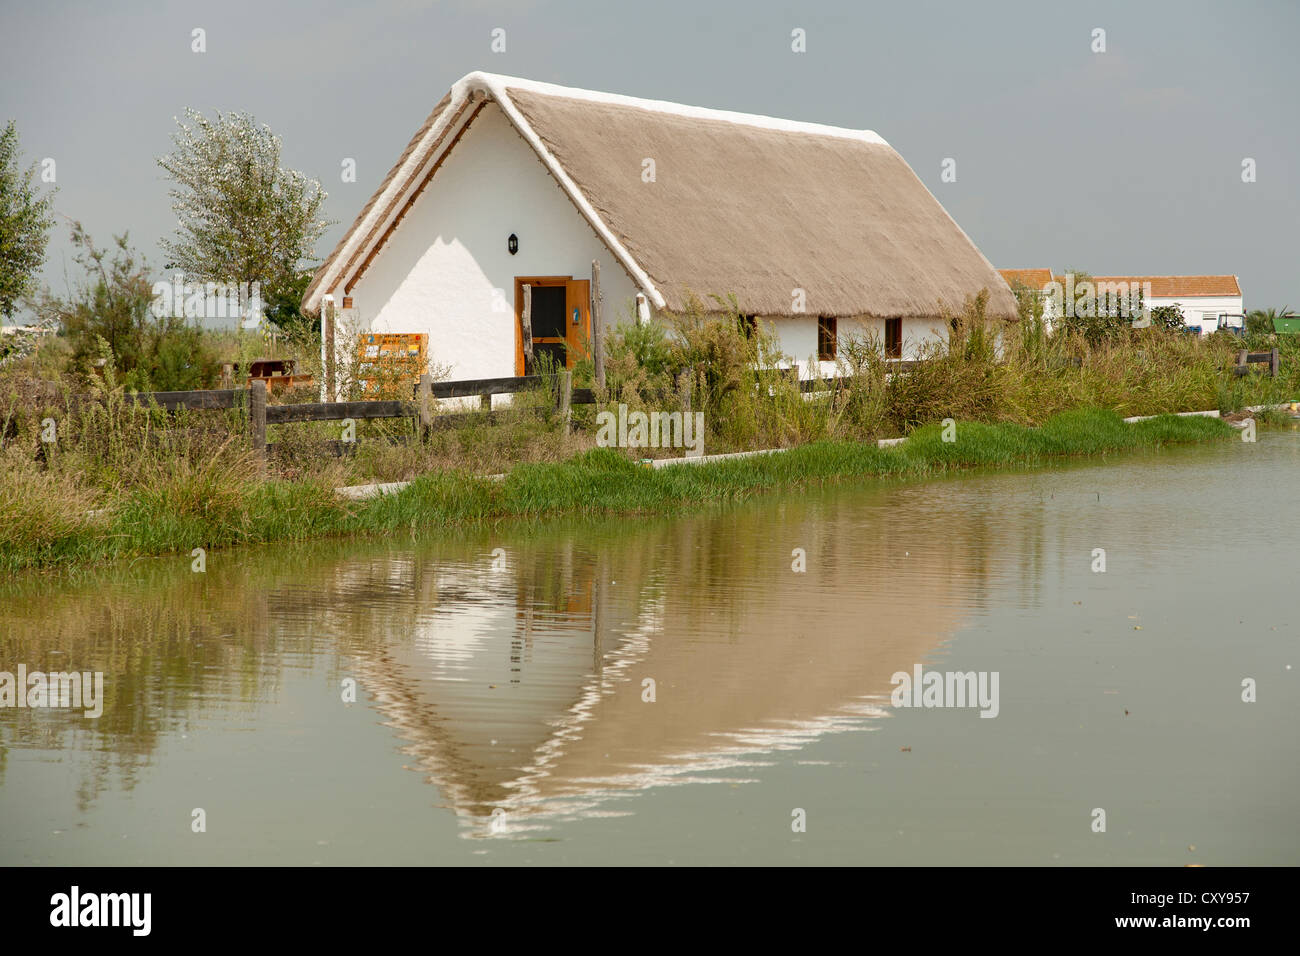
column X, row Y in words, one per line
column 446, row 270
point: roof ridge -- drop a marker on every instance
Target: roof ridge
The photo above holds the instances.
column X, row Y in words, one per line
column 498, row 85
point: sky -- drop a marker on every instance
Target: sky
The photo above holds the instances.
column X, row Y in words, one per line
column 1122, row 161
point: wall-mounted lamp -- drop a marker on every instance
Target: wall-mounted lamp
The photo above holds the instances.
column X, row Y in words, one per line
column 512, row 243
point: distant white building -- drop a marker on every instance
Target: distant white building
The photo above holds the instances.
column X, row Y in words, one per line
column 1206, row 302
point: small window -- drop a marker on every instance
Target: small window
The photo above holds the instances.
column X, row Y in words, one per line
column 748, row 325
column 826, row 338
column 893, row 338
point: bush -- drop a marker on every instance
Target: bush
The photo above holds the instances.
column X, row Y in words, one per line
column 1168, row 317
column 109, row 322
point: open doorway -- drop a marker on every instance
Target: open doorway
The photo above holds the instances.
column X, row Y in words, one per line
column 558, row 317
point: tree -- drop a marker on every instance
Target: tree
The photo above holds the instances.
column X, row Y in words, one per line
column 25, row 224
column 1167, row 317
column 1100, row 315
column 241, row 217
column 284, row 307
column 109, row 315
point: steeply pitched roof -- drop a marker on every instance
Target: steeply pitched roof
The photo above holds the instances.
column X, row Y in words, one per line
column 739, row 204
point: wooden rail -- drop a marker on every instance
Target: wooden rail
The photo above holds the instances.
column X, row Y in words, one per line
column 253, row 401
column 1246, row 359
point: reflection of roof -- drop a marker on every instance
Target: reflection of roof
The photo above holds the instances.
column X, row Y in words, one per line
column 499, row 703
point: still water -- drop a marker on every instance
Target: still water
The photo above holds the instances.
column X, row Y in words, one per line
column 504, row 676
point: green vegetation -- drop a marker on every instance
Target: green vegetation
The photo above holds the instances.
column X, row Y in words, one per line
column 25, row 224
column 109, row 324
column 49, row 519
column 122, row 480
column 1260, row 322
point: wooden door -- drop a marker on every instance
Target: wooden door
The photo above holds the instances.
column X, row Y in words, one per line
column 578, row 309
column 558, row 317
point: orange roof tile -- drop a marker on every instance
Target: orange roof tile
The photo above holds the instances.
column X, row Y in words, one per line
column 1031, row 278
column 1172, row 287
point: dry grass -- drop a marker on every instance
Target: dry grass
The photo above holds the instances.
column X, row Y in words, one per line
column 123, row 479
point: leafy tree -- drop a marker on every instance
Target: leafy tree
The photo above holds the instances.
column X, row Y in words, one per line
column 284, row 307
column 25, row 223
column 1106, row 321
column 1167, row 317
column 241, row 216
column 108, row 315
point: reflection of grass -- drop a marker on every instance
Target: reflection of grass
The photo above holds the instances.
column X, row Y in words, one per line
column 199, row 509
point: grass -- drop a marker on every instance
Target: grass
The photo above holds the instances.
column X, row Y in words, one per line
column 123, row 480
column 44, row 521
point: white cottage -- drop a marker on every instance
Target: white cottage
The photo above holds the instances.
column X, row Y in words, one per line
column 821, row 231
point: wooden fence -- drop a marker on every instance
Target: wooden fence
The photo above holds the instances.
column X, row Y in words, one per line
column 1246, row 359
column 260, row 414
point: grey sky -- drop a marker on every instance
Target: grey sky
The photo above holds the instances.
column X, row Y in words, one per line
column 1123, row 162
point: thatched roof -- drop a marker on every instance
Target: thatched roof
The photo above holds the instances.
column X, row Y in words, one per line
column 740, row 204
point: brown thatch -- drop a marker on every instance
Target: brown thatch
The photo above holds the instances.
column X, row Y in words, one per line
column 741, row 206
column 760, row 212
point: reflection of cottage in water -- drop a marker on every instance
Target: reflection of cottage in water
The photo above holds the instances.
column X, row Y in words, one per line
column 522, row 688
column 532, row 695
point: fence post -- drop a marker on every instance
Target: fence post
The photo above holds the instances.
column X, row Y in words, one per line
column 564, row 399
column 597, row 344
column 1274, row 362
column 257, row 418
column 328, row 357
column 485, row 401
column 424, row 402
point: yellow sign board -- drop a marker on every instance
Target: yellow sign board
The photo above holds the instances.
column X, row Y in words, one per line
column 391, row 363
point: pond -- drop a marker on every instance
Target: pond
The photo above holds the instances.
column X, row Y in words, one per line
column 719, row 686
